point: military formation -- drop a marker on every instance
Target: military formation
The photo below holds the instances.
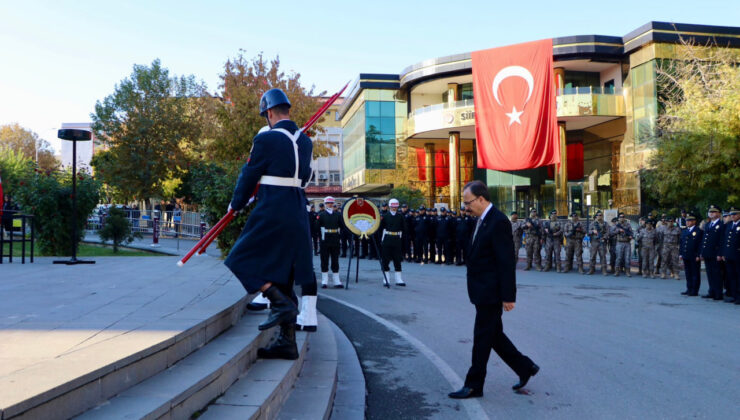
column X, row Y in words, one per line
column 439, row 236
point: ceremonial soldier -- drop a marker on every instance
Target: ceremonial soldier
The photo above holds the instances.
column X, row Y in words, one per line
column 709, row 251
column 392, row 228
column 670, row 238
column 517, row 230
column 420, row 231
column 598, row 235
column 442, row 235
column 575, row 231
column 462, row 237
column 553, row 233
column 612, row 241
column 690, row 242
column 280, row 161
column 730, row 253
column 533, row 244
column 648, row 238
column 623, row 233
column 330, row 222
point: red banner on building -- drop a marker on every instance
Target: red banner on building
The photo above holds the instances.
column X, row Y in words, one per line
column 516, row 123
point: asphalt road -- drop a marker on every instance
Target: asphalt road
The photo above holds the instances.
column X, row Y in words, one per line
column 607, row 347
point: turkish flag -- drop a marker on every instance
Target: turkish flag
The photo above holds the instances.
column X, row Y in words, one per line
column 516, row 124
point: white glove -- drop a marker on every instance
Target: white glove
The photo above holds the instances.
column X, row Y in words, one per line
column 229, row 209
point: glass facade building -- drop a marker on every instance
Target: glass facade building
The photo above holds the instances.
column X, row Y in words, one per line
column 417, row 128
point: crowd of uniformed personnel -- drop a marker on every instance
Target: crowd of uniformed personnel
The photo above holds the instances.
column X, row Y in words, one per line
column 432, row 236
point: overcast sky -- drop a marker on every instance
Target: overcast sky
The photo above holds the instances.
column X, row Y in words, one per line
column 58, row 57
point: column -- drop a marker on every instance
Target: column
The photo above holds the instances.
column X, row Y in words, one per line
column 452, row 89
column 429, row 154
column 455, row 170
column 561, row 175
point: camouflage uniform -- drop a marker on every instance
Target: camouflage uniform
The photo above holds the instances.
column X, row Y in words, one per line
column 638, row 244
column 553, row 233
column 623, row 232
column 533, row 245
column 670, row 239
column 648, row 238
column 574, row 233
column 517, row 229
column 660, row 229
column 599, row 235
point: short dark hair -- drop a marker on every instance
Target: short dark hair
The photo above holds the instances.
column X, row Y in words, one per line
column 282, row 109
column 478, row 189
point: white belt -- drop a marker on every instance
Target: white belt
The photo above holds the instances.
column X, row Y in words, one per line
column 280, row 181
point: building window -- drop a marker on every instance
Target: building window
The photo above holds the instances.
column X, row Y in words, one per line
column 380, row 134
column 644, row 102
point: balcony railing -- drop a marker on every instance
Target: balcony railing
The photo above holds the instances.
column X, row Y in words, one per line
column 442, row 106
column 595, row 90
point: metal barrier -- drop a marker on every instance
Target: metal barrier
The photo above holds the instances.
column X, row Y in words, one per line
column 18, row 222
column 186, row 224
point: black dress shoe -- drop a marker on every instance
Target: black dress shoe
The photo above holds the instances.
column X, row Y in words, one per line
column 524, row 379
column 693, row 294
column 685, row 293
column 729, row 299
column 465, row 392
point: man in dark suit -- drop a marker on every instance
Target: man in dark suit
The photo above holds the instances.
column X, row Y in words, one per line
column 730, row 252
column 690, row 243
column 492, row 289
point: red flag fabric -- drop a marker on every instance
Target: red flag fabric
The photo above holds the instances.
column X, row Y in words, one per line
column 516, row 123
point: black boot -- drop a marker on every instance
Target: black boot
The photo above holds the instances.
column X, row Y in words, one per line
column 282, row 309
column 282, row 348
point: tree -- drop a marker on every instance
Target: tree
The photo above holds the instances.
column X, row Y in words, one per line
column 149, row 123
column 15, row 169
column 230, row 125
column 28, row 144
column 405, row 195
column 117, row 229
column 697, row 149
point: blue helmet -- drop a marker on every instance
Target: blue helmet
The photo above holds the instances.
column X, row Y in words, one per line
column 271, row 99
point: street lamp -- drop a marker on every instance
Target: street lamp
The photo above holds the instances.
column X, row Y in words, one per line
column 74, row 136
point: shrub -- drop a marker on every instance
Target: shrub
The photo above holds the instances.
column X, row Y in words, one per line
column 47, row 196
column 117, row 229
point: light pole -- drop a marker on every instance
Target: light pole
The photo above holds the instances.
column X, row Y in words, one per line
column 74, row 136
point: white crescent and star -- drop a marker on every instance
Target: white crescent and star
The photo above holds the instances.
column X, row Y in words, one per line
column 505, row 73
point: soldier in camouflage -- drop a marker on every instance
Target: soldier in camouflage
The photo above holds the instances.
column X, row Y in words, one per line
column 517, row 229
column 638, row 244
column 648, row 238
column 553, row 233
column 670, row 239
column 598, row 235
column 532, row 227
column 623, row 232
column 575, row 230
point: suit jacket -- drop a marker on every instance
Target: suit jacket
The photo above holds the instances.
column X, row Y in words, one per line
column 690, row 243
column 491, row 264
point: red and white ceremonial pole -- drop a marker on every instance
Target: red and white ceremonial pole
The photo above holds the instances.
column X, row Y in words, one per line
column 206, row 240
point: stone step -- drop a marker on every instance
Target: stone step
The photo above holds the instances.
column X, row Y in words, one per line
column 261, row 391
column 187, row 387
column 130, row 352
column 312, row 397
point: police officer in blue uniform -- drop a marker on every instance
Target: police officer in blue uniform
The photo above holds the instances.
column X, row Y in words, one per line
column 730, row 254
column 710, row 247
column 280, row 162
column 442, row 235
column 690, row 242
column 408, row 236
column 462, row 237
column 420, row 233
